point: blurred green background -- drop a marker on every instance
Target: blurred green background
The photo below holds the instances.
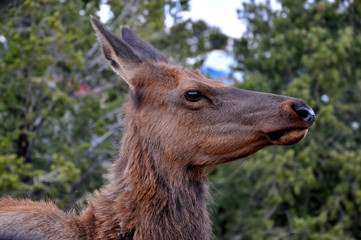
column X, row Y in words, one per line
column 61, row 114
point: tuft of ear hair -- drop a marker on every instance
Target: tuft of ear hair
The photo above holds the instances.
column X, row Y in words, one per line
column 125, row 53
column 144, row 49
column 122, row 58
column 110, row 43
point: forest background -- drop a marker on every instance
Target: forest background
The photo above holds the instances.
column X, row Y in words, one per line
column 61, row 107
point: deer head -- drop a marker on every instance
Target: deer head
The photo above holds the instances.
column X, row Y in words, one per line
column 194, row 121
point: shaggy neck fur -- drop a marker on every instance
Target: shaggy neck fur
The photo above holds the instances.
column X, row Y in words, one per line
column 149, row 197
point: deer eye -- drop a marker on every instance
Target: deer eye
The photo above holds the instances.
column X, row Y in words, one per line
column 193, row 95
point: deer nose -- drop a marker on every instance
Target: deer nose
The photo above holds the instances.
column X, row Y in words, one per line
column 306, row 113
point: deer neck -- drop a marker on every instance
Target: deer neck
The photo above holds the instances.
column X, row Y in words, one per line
column 150, row 196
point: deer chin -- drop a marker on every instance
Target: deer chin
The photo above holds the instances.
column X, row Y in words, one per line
column 287, row 136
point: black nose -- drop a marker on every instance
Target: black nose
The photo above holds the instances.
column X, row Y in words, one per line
column 306, row 114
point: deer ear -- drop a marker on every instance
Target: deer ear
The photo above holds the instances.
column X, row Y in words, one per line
column 122, row 58
column 143, row 48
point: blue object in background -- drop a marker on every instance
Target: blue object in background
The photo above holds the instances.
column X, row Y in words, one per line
column 214, row 73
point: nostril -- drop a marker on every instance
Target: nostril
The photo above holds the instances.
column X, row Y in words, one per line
column 306, row 114
column 303, row 113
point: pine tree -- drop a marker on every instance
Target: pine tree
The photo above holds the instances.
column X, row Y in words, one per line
column 310, row 50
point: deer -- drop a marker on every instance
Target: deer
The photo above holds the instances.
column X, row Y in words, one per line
column 178, row 123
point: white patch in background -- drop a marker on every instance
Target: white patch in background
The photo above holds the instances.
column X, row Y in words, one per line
column 221, row 14
column 168, row 22
column 219, row 60
column 325, row 98
column 2, row 39
column 238, row 76
column 105, row 13
column 355, row 125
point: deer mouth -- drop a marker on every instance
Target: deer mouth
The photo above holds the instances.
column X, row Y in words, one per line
column 287, row 136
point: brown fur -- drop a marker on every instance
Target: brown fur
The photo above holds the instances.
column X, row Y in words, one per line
column 158, row 190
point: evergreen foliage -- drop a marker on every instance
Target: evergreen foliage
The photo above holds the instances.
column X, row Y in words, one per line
column 310, row 50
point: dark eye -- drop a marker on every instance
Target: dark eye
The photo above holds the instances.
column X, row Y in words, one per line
column 193, row 95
